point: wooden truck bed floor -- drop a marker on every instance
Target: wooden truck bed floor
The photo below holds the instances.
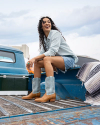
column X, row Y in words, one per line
column 15, row 111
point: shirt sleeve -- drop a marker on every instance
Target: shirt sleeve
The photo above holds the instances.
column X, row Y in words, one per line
column 54, row 46
column 41, row 51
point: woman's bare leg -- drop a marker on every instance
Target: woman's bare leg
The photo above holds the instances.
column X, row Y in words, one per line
column 56, row 61
column 37, row 68
column 49, row 63
column 37, row 75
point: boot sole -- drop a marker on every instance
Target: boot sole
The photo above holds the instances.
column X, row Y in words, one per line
column 30, row 98
column 50, row 100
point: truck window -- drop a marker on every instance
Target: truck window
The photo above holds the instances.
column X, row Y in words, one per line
column 7, row 56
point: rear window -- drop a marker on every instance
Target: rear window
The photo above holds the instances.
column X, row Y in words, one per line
column 7, row 56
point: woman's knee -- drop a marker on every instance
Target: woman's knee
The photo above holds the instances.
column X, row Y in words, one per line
column 46, row 59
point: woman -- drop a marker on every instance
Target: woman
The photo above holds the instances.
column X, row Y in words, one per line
column 55, row 53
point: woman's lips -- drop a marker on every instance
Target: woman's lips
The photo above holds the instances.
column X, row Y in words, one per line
column 47, row 27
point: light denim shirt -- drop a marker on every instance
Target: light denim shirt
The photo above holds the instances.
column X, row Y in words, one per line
column 57, row 46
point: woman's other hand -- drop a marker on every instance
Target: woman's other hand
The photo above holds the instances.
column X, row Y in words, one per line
column 30, row 63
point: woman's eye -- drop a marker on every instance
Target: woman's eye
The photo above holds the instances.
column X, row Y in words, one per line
column 43, row 22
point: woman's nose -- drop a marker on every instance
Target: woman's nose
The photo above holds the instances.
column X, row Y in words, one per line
column 46, row 22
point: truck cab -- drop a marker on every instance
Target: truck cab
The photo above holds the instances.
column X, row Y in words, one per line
column 13, row 73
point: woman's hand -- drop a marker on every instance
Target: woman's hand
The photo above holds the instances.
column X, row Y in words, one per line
column 30, row 63
column 34, row 60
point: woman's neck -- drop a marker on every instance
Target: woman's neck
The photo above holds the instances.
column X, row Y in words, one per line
column 46, row 33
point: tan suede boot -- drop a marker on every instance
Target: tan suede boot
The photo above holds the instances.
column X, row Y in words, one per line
column 46, row 98
column 31, row 95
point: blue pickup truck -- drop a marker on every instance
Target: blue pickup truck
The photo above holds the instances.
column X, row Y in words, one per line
column 69, row 107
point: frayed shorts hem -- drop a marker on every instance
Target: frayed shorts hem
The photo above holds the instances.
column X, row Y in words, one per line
column 69, row 63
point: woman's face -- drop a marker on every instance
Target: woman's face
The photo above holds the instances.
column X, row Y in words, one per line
column 46, row 25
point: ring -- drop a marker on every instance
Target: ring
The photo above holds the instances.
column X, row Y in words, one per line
column 28, row 63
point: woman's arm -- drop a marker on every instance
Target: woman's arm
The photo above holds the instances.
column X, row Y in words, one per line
column 33, row 60
column 37, row 58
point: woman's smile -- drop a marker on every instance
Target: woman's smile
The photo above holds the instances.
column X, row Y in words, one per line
column 46, row 25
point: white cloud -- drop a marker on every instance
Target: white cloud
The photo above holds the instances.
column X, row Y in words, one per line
column 33, row 49
column 78, row 18
column 21, row 26
column 79, row 22
column 89, row 46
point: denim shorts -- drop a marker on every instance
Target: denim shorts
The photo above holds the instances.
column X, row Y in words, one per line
column 69, row 62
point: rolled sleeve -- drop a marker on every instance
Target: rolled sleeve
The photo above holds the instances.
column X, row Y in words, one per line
column 54, row 46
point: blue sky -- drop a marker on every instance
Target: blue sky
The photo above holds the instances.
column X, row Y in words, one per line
column 78, row 20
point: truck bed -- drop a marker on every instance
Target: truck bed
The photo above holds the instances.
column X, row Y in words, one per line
column 15, row 111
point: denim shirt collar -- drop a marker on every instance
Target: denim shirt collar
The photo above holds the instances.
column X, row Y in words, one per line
column 49, row 36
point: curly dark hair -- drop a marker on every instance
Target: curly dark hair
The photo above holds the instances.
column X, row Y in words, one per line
column 41, row 33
